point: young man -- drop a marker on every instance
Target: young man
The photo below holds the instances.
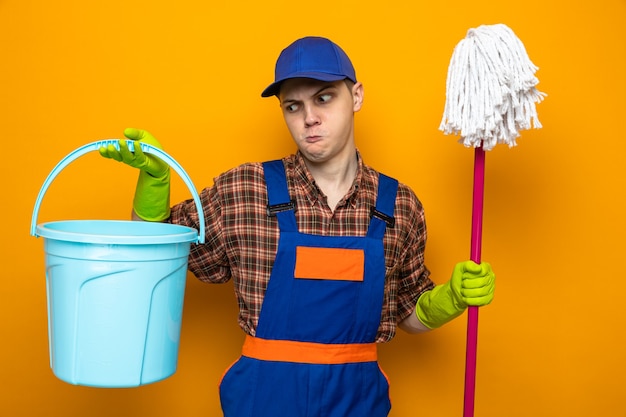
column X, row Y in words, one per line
column 326, row 254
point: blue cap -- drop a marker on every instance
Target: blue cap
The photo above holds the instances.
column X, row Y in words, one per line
column 311, row 57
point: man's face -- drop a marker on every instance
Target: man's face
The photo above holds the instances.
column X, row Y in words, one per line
column 320, row 117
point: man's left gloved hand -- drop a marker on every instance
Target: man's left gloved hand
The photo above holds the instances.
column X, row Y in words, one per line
column 470, row 285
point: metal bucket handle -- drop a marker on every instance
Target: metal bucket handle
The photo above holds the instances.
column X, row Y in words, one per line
column 94, row 146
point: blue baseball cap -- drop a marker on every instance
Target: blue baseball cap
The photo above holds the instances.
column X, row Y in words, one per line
column 311, row 57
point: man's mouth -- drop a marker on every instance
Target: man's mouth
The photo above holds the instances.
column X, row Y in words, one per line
column 313, row 138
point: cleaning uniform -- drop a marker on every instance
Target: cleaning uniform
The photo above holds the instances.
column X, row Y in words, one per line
column 314, row 353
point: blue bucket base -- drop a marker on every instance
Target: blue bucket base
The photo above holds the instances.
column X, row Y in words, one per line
column 114, row 310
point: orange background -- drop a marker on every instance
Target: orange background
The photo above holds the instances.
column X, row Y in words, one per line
column 191, row 72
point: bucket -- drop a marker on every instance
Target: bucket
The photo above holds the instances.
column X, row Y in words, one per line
column 115, row 290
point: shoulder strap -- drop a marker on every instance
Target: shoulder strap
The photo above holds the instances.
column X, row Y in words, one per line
column 279, row 204
column 382, row 214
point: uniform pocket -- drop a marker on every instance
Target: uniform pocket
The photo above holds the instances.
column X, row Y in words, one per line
column 385, row 383
column 237, row 392
column 228, row 370
column 329, row 263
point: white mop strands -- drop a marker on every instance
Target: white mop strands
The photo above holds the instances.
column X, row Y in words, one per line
column 490, row 89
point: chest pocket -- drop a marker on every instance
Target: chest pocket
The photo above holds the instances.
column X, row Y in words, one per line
column 329, row 263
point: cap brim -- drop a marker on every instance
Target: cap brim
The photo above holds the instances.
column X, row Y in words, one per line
column 274, row 88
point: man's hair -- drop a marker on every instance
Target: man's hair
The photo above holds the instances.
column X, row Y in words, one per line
column 349, row 83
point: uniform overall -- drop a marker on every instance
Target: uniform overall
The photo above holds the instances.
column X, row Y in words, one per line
column 314, row 354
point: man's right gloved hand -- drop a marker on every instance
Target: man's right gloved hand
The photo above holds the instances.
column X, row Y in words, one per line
column 152, row 196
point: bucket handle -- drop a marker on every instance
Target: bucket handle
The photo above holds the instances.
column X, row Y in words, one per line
column 94, row 146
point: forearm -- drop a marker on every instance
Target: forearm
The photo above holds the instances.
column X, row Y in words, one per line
column 134, row 216
column 152, row 197
column 412, row 324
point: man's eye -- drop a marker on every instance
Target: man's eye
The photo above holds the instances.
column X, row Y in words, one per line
column 324, row 98
column 291, row 107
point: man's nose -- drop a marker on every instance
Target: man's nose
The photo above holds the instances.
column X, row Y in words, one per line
column 311, row 116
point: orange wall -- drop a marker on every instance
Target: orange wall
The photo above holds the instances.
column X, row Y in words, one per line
column 191, row 72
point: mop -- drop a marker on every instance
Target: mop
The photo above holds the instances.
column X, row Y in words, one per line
column 490, row 97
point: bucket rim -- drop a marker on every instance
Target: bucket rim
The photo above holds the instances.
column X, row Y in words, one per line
column 175, row 233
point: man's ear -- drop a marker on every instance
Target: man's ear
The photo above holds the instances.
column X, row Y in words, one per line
column 357, row 96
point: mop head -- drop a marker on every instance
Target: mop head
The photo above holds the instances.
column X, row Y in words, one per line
column 491, row 92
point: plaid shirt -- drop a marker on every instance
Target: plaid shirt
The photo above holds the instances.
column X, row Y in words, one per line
column 241, row 240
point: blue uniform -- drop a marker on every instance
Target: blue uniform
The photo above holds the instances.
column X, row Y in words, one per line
column 314, row 353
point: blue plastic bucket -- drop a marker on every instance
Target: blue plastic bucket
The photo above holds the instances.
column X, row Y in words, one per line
column 115, row 290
